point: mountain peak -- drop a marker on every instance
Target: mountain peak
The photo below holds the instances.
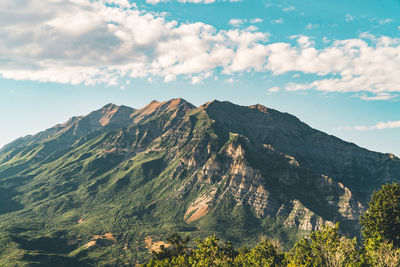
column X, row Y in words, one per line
column 109, row 105
column 156, row 106
column 108, row 111
column 154, row 102
column 176, row 102
column 112, row 106
column 217, row 103
column 260, row 107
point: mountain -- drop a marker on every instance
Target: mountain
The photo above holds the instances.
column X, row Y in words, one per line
column 107, row 187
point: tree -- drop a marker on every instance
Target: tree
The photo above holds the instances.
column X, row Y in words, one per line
column 178, row 246
column 178, row 243
column 210, row 253
column 381, row 222
column 264, row 254
column 300, row 255
column 325, row 247
column 382, row 253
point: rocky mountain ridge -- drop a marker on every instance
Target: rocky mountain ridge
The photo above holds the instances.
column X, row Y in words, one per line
column 241, row 172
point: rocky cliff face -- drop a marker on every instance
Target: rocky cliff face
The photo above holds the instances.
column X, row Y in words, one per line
column 220, row 168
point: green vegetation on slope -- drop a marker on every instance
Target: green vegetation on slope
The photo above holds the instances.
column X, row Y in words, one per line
column 325, row 247
column 90, row 193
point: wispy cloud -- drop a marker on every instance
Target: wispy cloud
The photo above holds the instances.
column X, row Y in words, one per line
column 379, row 96
column 311, row 26
column 273, row 89
column 288, row 9
column 238, row 22
column 277, row 21
column 349, row 17
column 256, row 20
column 385, row 21
column 379, row 126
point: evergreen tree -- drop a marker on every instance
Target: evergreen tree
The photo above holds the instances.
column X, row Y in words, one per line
column 382, row 219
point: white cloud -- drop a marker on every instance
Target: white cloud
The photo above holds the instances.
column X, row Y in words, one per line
column 201, row 77
column 236, row 22
column 231, row 80
column 277, row 21
column 80, row 41
column 252, row 28
column 90, row 42
column 256, row 20
column 350, row 65
column 379, row 96
column 349, row 17
column 273, row 89
column 385, row 21
column 311, row 26
column 287, row 9
column 120, row 3
column 190, row 1
column 379, row 126
column 239, row 22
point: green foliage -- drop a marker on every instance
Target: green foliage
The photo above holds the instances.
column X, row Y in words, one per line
column 301, row 254
column 326, row 247
column 382, row 253
column 211, row 252
column 264, row 254
column 178, row 246
column 382, row 219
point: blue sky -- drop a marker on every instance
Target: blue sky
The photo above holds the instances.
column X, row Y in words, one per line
column 333, row 64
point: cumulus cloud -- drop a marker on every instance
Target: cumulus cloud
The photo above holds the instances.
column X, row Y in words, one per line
column 120, row 3
column 92, row 42
column 351, row 65
column 80, row 41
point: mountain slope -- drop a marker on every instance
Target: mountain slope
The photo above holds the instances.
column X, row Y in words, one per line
column 100, row 187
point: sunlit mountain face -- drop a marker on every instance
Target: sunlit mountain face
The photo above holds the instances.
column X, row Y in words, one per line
column 118, row 178
column 335, row 64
